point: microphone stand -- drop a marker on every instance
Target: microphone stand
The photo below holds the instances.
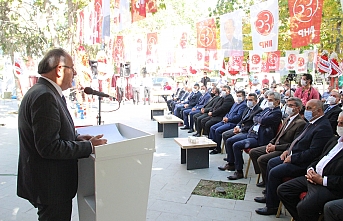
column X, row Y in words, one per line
column 99, row 113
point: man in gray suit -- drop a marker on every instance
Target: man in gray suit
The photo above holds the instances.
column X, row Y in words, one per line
column 48, row 145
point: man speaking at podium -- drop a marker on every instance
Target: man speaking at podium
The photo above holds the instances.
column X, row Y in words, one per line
column 49, row 145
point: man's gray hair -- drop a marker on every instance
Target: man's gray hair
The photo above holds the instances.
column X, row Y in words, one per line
column 297, row 102
column 276, row 95
column 51, row 60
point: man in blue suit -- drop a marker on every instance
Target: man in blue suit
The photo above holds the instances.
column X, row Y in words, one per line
column 192, row 101
column 229, row 121
column 203, row 100
column 294, row 161
column 264, row 129
column 182, row 100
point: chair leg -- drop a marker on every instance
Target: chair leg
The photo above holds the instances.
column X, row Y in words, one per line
column 279, row 210
column 223, row 147
column 258, row 178
column 247, row 170
column 292, row 219
column 321, row 217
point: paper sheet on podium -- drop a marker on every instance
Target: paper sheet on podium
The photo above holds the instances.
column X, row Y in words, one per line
column 110, row 132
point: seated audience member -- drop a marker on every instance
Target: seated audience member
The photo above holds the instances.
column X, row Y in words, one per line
column 327, row 93
column 203, row 100
column 166, row 87
column 333, row 108
column 333, row 210
column 244, row 125
column 203, row 112
column 294, row 161
column 229, row 121
column 291, row 128
column 263, row 130
column 183, row 100
column 217, row 113
column 264, row 103
column 192, row 101
column 288, row 94
column 323, row 182
column 176, row 96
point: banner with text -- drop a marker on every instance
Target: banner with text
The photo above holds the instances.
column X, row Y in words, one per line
column 292, row 60
column 301, row 63
column 255, row 61
column 264, row 26
column 206, row 34
column 231, row 33
column 305, row 17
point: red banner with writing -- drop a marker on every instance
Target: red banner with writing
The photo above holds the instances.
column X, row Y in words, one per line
column 98, row 19
column 118, row 49
column 305, row 17
column 151, row 6
column 135, row 10
column 206, row 34
column 273, row 60
column 151, row 43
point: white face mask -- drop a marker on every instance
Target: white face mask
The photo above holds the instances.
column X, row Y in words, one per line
column 195, row 90
column 289, row 111
column 303, row 82
column 339, row 131
column 223, row 94
column 250, row 104
column 202, row 91
column 331, row 100
column 239, row 99
column 271, row 105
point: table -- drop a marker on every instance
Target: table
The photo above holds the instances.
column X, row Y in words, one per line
column 161, row 93
column 169, row 127
column 157, row 109
column 195, row 156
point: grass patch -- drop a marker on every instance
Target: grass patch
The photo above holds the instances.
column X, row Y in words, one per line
column 234, row 191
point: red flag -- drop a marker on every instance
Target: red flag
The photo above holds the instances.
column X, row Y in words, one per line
column 142, row 8
column 151, row 43
column 119, row 49
column 98, row 19
column 306, row 17
column 223, row 68
column 151, row 6
column 206, row 34
column 135, row 11
column 235, row 63
column 273, row 60
column 80, row 25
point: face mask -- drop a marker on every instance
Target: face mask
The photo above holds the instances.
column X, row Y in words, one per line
column 308, row 115
column 331, row 100
column 223, row 94
column 239, row 99
column 339, row 131
column 202, row 91
column 212, row 95
column 303, row 82
column 250, row 104
column 289, row 111
column 195, row 90
column 271, row 105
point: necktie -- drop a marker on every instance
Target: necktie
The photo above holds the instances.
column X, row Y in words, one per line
column 64, row 99
column 298, row 138
column 281, row 131
column 247, row 115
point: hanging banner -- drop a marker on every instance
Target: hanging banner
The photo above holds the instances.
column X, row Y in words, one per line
column 135, row 10
column 235, row 63
column 215, row 60
column 106, row 19
column 282, row 67
column 119, row 50
column 151, row 43
column 80, row 26
column 311, row 60
column 292, row 60
column 124, row 14
column 98, row 21
column 301, row 63
column 305, row 18
column 273, row 60
column 142, row 8
column 255, row 61
column 231, row 33
column 206, row 34
column 264, row 26
column 151, row 6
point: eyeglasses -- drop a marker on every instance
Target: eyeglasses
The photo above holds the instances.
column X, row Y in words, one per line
column 65, row 66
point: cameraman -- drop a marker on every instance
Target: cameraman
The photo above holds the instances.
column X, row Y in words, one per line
column 306, row 92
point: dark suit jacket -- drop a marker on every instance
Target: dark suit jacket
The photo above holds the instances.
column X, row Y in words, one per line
column 194, row 99
column 203, row 100
column 287, row 136
column 210, row 104
column 181, row 93
column 311, row 144
column 247, row 121
column 269, row 122
column 222, row 106
column 236, row 112
column 48, row 152
column 334, row 169
column 332, row 115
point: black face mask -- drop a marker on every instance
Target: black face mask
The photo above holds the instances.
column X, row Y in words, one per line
column 213, row 94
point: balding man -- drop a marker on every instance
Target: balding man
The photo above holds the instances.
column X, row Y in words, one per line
column 302, row 151
column 48, row 145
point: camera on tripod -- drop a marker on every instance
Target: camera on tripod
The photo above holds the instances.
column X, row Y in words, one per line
column 291, row 76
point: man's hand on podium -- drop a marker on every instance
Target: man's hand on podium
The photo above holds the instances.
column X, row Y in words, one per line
column 96, row 141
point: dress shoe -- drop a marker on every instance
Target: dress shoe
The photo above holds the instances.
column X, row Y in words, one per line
column 264, row 191
column 196, row 134
column 236, row 176
column 260, row 199
column 266, row 211
column 214, row 152
column 261, row 184
column 185, row 128
column 225, row 159
column 227, row 167
column 191, row 131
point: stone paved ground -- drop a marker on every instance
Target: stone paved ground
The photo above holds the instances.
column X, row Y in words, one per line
column 171, row 184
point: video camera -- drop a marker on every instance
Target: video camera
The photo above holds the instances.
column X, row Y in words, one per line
column 291, row 76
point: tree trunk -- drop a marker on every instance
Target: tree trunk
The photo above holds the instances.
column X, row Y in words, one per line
column 338, row 40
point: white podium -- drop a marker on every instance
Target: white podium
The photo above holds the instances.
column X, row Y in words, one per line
column 114, row 182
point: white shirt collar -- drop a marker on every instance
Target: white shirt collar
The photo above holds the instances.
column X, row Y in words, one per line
column 58, row 88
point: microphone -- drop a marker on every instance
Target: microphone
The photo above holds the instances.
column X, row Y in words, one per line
column 89, row 90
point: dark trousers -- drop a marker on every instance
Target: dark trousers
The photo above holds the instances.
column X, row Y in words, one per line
column 207, row 122
column 54, row 212
column 276, row 171
column 309, row 208
column 216, row 132
column 333, row 210
column 227, row 134
column 260, row 158
column 197, row 121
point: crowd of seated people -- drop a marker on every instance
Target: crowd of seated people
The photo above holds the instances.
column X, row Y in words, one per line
column 295, row 143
